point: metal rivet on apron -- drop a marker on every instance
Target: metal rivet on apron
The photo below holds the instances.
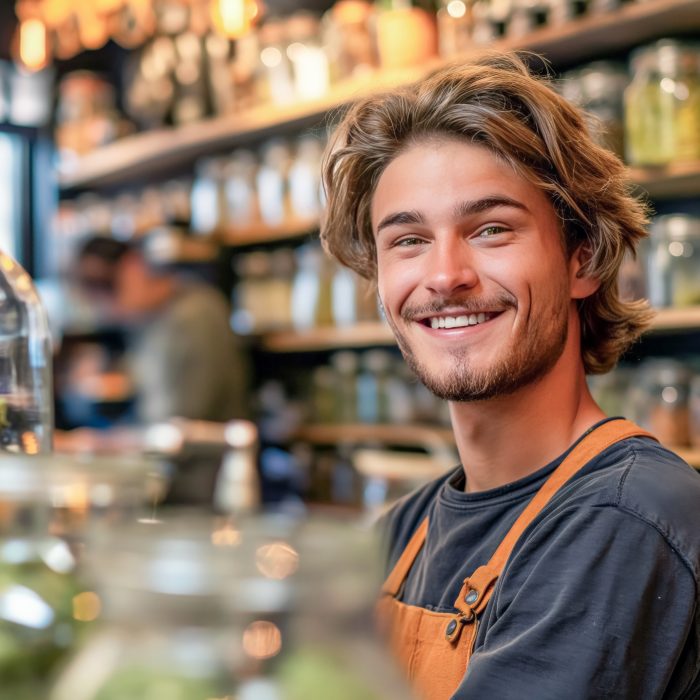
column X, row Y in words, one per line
column 451, row 627
column 471, row 597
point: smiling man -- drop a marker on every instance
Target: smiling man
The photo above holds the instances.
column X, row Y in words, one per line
column 561, row 559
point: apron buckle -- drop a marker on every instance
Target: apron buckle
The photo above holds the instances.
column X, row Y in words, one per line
column 454, row 627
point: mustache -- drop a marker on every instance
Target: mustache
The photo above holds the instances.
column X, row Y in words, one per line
column 471, row 305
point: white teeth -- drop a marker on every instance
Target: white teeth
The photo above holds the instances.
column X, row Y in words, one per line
column 458, row 321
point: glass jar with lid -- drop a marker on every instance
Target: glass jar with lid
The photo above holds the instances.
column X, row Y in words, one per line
column 46, row 506
column 674, row 260
column 662, row 104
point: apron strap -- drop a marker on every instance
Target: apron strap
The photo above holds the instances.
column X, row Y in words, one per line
column 477, row 589
column 398, row 574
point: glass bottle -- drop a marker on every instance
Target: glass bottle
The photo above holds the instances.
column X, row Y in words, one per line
column 273, row 183
column 241, row 192
column 345, row 364
column 310, row 62
column 26, row 399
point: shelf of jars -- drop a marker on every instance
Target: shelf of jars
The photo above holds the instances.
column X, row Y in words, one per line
column 669, row 182
column 377, row 333
column 579, row 39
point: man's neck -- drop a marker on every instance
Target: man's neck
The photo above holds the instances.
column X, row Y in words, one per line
column 505, row 439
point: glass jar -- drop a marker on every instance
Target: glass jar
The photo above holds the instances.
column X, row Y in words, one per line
column 406, row 35
column 662, row 104
column 26, row 400
column 276, row 82
column 305, row 179
column 659, row 401
column 345, row 364
column 273, row 183
column 47, row 504
column 674, row 261
column 312, row 288
column 310, row 62
column 602, row 89
column 264, row 608
column 348, row 32
column 208, row 196
column 241, row 191
column 454, row 27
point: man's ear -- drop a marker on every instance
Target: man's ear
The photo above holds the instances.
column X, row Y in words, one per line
column 581, row 284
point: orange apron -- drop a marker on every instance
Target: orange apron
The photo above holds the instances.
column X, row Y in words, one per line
column 434, row 648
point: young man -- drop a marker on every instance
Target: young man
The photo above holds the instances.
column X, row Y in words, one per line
column 562, row 558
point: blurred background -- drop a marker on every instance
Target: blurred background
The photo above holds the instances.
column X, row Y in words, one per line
column 159, row 180
column 160, row 158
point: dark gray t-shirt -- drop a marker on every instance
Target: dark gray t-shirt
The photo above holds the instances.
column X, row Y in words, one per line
column 599, row 598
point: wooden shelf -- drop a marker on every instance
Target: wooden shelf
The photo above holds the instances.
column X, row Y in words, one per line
column 399, row 435
column 359, row 336
column 670, row 182
column 268, row 234
column 425, row 436
column 676, row 319
column 160, row 150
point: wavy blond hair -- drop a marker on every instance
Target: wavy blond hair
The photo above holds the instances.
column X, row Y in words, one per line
column 495, row 101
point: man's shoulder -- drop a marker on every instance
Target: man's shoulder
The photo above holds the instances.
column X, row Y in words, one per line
column 661, row 489
column 647, row 482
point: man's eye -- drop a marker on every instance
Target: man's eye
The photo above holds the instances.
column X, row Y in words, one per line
column 491, row 231
column 408, row 241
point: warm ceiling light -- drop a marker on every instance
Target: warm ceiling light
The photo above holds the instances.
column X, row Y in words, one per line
column 32, row 44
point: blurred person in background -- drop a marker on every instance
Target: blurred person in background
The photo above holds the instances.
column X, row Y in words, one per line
column 183, row 358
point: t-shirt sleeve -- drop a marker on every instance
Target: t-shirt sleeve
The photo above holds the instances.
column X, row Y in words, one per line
column 607, row 611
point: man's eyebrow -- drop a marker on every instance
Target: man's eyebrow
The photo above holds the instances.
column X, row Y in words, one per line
column 400, row 217
column 478, row 206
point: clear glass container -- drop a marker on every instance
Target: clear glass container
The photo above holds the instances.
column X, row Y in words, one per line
column 241, row 189
column 47, row 504
column 673, row 262
column 209, row 196
column 659, row 400
column 309, row 57
column 273, row 183
column 345, row 364
column 312, row 288
column 26, row 398
column 258, row 609
column 305, row 178
column 602, row 91
column 662, row 104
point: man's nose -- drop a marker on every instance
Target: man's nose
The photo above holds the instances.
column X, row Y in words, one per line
column 451, row 267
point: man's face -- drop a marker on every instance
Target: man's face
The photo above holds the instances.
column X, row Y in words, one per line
column 471, row 270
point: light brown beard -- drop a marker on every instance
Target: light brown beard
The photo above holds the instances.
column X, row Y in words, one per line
column 528, row 359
